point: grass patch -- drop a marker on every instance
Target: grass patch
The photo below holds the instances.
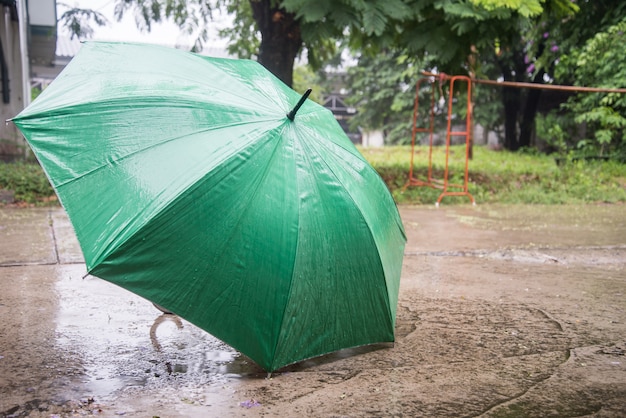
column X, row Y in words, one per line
column 494, row 177
column 501, row 176
column 28, row 182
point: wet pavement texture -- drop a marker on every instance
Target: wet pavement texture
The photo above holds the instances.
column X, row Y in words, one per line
column 504, row 311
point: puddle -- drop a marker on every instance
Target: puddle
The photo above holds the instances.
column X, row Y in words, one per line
column 566, row 225
column 123, row 342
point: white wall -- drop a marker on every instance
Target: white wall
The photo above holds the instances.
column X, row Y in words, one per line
column 42, row 12
column 373, row 139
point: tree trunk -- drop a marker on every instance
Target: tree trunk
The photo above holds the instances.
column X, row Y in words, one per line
column 281, row 39
column 511, row 100
column 512, row 69
column 530, row 111
column 528, row 118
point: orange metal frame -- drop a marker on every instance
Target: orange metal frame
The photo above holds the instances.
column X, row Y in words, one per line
column 448, row 189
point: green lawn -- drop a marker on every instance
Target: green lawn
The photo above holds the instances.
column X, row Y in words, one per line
column 494, row 177
column 501, row 176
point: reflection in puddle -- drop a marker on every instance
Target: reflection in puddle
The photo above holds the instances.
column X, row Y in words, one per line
column 102, row 386
column 161, row 319
column 122, row 341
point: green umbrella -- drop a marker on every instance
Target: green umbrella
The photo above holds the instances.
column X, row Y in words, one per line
column 188, row 183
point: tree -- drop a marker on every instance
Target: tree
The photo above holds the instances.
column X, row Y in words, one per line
column 587, row 50
column 543, row 55
column 285, row 26
column 479, row 38
column 78, row 21
column 382, row 87
column 492, row 38
column 455, row 36
column 600, row 62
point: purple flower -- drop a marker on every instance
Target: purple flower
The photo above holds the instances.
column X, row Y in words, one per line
column 530, row 69
column 526, row 59
column 546, row 34
column 554, row 48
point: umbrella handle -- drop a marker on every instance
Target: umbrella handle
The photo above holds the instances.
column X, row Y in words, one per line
column 291, row 115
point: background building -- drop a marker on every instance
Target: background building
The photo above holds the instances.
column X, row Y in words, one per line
column 28, row 35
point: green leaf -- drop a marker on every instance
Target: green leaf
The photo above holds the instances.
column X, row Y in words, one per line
column 395, row 9
column 374, row 21
column 526, row 8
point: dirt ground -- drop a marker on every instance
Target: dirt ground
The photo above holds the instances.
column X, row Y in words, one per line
column 504, row 311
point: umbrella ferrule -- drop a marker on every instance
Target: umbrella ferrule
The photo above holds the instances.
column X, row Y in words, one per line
column 291, row 115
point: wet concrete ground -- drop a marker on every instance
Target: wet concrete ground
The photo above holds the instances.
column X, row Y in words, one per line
column 504, row 311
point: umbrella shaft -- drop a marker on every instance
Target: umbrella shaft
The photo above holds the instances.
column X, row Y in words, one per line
column 291, row 115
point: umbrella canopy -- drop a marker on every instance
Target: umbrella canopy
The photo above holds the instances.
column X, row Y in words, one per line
column 187, row 183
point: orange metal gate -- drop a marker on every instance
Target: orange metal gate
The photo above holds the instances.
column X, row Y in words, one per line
column 448, row 188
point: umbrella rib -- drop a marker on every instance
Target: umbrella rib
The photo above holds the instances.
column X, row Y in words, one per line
column 255, row 191
column 250, row 201
column 305, row 154
column 151, row 146
column 369, row 229
column 293, row 269
column 233, row 154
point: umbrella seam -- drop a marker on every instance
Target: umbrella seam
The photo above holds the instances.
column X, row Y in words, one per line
column 266, row 171
column 106, row 251
column 251, row 199
column 152, row 146
column 202, row 60
column 388, row 306
column 248, row 206
column 112, row 101
column 293, row 267
column 369, row 229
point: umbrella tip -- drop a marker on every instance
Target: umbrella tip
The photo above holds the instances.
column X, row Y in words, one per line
column 291, row 115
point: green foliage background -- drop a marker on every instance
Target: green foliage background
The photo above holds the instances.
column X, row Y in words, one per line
column 601, row 62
